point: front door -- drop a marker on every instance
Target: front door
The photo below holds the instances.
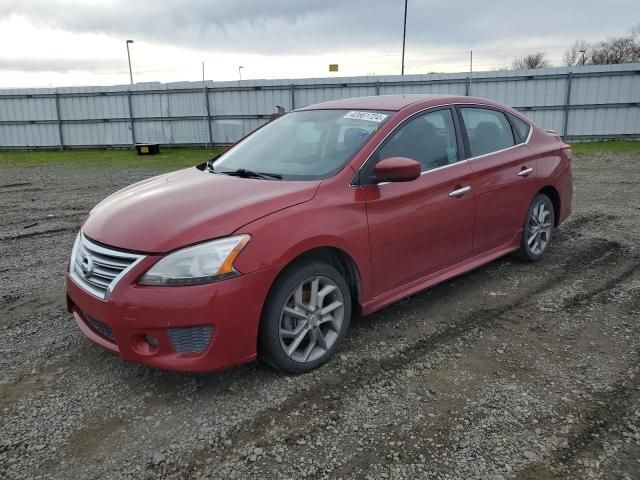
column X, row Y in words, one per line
column 420, row 227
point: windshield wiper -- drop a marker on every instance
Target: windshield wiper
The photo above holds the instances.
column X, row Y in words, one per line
column 243, row 172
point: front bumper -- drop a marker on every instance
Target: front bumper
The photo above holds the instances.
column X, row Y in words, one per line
column 139, row 323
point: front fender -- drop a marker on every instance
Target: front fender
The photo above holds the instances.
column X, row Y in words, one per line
column 332, row 219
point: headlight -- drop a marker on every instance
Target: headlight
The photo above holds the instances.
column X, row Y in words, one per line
column 204, row 263
column 74, row 251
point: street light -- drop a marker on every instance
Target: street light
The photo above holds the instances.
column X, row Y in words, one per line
column 129, row 58
column 240, row 71
column 404, row 34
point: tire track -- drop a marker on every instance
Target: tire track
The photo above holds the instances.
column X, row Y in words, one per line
column 369, row 371
column 21, row 190
column 605, row 414
column 39, row 233
column 260, row 426
column 20, row 221
column 609, row 406
column 16, row 184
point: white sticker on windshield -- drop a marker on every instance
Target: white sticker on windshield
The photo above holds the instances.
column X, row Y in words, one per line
column 368, row 116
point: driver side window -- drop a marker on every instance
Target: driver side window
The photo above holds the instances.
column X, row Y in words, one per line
column 429, row 139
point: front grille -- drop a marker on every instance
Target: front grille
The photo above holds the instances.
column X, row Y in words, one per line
column 190, row 339
column 102, row 328
column 97, row 269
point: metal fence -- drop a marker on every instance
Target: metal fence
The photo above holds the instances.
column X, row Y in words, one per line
column 589, row 102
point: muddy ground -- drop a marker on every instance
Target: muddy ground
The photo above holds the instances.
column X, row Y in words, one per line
column 513, row 371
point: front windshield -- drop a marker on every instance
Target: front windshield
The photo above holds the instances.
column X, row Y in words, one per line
column 304, row 145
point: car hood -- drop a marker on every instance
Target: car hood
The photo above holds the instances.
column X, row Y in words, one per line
column 188, row 206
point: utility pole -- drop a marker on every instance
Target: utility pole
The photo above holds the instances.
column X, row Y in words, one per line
column 129, row 58
column 404, row 34
column 207, row 111
column 204, row 95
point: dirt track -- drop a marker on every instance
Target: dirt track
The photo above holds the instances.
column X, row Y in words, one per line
column 512, row 371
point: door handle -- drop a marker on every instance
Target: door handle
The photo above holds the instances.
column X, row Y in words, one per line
column 460, row 191
column 525, row 172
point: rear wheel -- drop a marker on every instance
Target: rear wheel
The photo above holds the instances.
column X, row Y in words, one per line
column 538, row 228
column 306, row 316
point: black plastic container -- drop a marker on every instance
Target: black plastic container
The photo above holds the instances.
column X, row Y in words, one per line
column 148, row 148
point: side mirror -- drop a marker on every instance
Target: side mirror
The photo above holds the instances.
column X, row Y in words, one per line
column 397, row 169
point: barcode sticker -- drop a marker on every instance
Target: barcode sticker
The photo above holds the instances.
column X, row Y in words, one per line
column 368, row 116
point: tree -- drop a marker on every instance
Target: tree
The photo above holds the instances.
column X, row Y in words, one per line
column 616, row 50
column 613, row 50
column 530, row 62
column 577, row 54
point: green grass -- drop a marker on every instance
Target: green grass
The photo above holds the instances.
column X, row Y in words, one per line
column 168, row 159
column 612, row 146
column 175, row 158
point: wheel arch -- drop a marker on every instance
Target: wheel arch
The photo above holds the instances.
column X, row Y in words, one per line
column 337, row 258
column 553, row 194
column 332, row 255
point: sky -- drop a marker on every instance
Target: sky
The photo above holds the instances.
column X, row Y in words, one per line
column 50, row 43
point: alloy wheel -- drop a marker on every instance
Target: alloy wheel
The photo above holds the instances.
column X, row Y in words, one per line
column 311, row 319
column 539, row 227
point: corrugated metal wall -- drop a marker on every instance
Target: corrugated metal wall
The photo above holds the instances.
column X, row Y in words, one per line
column 581, row 103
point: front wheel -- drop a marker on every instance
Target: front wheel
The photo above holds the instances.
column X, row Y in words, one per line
column 538, row 228
column 305, row 318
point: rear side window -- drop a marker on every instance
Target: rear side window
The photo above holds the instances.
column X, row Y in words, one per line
column 521, row 127
column 488, row 130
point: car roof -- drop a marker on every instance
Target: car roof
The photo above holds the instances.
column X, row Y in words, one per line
column 388, row 102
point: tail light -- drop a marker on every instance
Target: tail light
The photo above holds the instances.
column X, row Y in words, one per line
column 566, row 148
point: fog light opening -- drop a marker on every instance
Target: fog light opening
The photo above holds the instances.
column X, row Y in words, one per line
column 145, row 344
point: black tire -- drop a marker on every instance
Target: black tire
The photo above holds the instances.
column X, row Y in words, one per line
column 533, row 250
column 271, row 348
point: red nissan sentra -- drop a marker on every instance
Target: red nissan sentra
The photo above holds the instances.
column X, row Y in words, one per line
column 332, row 210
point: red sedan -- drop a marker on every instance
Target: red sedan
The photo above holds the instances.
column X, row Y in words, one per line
column 331, row 210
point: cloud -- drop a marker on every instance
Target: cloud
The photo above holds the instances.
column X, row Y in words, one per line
column 283, row 27
column 60, row 64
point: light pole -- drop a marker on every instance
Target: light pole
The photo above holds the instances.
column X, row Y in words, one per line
column 470, row 72
column 240, row 71
column 129, row 58
column 404, row 34
column 583, row 51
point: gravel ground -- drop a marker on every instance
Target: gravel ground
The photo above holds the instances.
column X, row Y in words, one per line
column 513, row 371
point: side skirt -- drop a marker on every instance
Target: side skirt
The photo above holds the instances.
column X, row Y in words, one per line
column 448, row 273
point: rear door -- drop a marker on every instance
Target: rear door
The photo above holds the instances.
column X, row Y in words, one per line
column 418, row 228
column 505, row 173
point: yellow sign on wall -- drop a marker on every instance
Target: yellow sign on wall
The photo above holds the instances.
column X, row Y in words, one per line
column 333, row 67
